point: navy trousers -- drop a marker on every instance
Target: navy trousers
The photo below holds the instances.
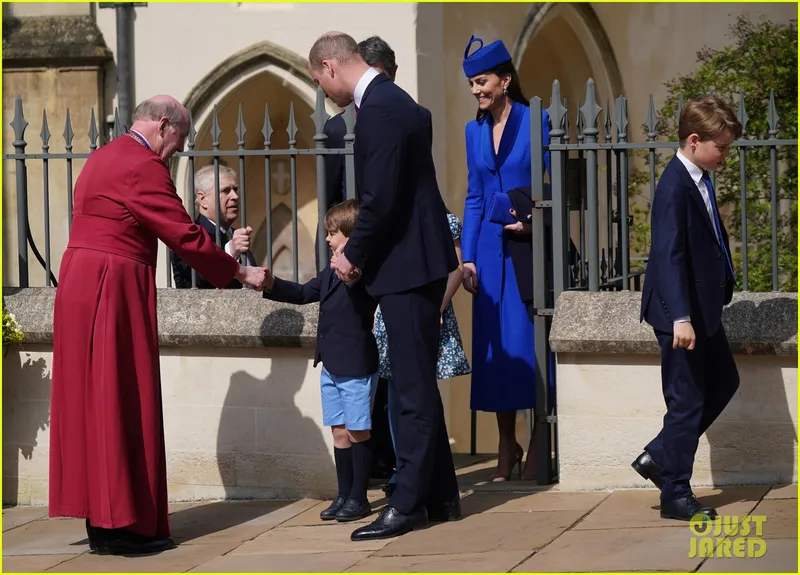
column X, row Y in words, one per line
column 697, row 386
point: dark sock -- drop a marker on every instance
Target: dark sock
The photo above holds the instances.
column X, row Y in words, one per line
column 344, row 469
column 362, row 465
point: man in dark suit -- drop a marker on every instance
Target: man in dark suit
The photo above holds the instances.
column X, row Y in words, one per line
column 689, row 278
column 378, row 54
column 403, row 251
column 236, row 242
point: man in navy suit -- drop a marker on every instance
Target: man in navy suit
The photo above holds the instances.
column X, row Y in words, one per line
column 378, row 54
column 689, row 278
column 403, row 251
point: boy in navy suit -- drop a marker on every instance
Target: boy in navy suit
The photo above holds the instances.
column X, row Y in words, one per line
column 689, row 278
column 349, row 356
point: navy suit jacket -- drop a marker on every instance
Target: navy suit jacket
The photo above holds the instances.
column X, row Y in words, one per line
column 402, row 238
column 687, row 271
column 182, row 273
column 345, row 344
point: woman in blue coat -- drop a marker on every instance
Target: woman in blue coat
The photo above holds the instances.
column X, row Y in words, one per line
column 498, row 160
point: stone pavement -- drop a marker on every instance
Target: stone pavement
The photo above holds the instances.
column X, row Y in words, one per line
column 512, row 527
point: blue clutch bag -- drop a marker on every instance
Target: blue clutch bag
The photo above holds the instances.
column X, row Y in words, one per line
column 498, row 209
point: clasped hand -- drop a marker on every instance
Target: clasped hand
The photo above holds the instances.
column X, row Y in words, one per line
column 346, row 271
column 519, row 227
column 258, row 278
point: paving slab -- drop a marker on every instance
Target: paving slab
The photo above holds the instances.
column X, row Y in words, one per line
column 780, row 557
column 781, row 514
column 47, row 537
column 335, row 562
column 640, row 507
column 32, row 563
column 182, row 558
column 232, row 521
column 308, row 539
column 510, row 502
column 489, row 562
column 615, row 550
column 782, row 492
column 16, row 516
column 485, row 532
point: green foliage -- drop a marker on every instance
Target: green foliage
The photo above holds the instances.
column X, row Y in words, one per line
column 763, row 58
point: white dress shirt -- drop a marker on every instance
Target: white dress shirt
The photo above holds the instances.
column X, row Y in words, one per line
column 697, row 176
column 361, row 87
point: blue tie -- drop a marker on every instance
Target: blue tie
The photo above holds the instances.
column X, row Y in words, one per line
column 717, row 226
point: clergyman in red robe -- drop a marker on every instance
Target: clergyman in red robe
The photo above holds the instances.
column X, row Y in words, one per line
column 107, row 455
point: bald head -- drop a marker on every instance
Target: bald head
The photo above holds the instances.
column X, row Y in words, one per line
column 336, row 46
column 161, row 106
column 164, row 122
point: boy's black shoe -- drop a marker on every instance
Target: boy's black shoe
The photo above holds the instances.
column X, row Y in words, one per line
column 352, row 510
column 330, row 513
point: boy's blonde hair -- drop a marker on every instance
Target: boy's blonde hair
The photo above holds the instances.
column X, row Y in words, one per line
column 709, row 118
column 342, row 218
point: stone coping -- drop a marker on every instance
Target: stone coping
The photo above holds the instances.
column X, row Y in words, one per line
column 53, row 41
column 602, row 322
column 608, row 322
column 190, row 318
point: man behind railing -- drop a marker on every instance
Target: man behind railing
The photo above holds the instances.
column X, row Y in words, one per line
column 236, row 242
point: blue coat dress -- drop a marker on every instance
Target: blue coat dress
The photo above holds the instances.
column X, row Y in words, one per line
column 502, row 333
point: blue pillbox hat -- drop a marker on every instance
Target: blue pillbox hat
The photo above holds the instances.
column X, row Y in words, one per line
column 485, row 57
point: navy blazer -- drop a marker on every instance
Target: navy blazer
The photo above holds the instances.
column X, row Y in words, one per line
column 402, row 238
column 345, row 344
column 687, row 273
column 182, row 273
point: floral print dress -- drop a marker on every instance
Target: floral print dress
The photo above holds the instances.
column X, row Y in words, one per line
column 452, row 359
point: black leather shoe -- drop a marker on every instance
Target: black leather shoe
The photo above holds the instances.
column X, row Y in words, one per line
column 124, row 542
column 648, row 468
column 330, row 513
column 388, row 488
column 447, row 511
column 352, row 510
column 390, row 523
column 685, row 508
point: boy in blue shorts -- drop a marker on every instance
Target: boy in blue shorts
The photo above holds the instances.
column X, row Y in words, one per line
column 349, row 356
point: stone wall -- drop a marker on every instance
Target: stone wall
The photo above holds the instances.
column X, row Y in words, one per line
column 242, row 412
column 243, row 417
column 610, row 403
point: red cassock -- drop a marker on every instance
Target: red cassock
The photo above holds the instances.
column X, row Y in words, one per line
column 107, row 457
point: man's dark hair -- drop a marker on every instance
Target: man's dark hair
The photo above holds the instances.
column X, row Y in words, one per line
column 376, row 52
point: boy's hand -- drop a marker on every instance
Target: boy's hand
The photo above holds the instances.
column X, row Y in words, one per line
column 683, row 335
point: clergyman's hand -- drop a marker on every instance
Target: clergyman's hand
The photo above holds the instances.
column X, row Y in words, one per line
column 253, row 276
